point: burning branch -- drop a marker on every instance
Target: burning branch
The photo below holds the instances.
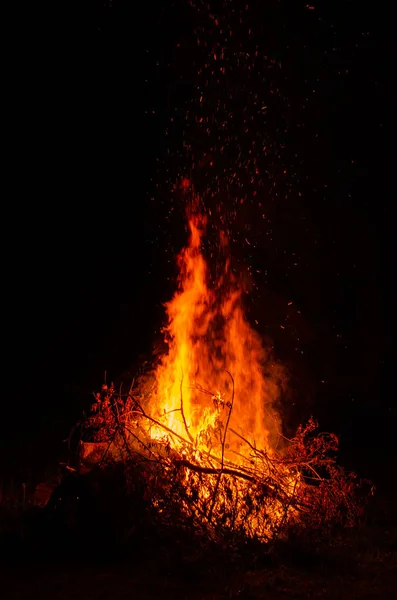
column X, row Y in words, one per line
column 211, row 471
column 258, row 496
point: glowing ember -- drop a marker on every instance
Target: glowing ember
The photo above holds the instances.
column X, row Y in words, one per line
column 200, row 431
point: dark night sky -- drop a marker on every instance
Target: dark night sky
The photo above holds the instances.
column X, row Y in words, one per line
column 86, row 252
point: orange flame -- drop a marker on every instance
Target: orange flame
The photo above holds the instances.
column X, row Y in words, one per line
column 213, row 370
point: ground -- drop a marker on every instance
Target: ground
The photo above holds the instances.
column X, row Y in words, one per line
column 359, row 565
column 41, row 558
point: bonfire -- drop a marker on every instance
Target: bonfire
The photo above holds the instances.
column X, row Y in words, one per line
column 199, row 431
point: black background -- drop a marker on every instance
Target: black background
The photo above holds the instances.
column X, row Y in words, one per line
column 86, row 251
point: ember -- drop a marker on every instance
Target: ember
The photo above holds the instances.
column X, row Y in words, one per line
column 200, row 432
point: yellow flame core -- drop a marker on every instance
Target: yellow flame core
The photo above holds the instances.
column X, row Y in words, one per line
column 214, row 360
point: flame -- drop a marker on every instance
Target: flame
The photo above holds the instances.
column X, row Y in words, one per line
column 211, row 418
column 211, row 379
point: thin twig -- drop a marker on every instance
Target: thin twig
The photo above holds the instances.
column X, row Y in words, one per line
column 223, row 452
column 183, row 414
